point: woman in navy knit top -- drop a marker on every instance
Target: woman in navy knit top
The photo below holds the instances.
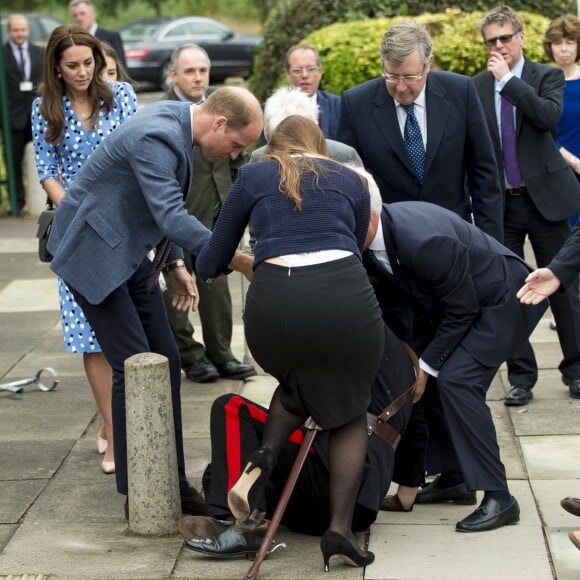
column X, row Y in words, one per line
column 311, row 318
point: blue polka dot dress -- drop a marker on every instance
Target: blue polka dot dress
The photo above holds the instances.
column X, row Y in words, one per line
column 63, row 162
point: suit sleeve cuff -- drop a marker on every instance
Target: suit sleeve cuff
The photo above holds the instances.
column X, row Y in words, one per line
column 429, row 370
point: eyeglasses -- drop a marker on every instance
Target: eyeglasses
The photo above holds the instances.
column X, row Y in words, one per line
column 407, row 79
column 504, row 39
column 309, row 70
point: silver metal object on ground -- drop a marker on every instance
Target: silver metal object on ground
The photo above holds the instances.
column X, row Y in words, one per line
column 18, row 386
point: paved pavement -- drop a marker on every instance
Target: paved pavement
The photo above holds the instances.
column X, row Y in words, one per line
column 60, row 516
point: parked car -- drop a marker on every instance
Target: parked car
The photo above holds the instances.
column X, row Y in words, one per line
column 149, row 43
column 40, row 26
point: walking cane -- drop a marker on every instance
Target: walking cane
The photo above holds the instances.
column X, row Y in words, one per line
column 311, row 429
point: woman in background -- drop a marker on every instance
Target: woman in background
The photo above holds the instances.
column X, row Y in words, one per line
column 114, row 71
column 562, row 45
column 76, row 110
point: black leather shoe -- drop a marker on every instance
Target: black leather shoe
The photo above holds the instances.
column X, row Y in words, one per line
column 571, row 505
column 574, row 387
column 458, row 494
column 200, row 527
column 234, row 369
column 230, row 540
column 489, row 516
column 202, row 371
column 517, row 396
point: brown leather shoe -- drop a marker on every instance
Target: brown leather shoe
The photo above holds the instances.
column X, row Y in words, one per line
column 575, row 538
column 392, row 503
column 199, row 527
column 571, row 505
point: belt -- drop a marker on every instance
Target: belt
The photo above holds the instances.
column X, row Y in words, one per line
column 377, row 424
column 523, row 190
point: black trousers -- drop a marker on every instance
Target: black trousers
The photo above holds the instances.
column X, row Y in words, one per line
column 236, row 429
column 523, row 219
column 19, row 140
column 132, row 320
column 215, row 313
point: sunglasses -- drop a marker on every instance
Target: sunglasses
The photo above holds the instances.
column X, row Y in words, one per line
column 504, row 39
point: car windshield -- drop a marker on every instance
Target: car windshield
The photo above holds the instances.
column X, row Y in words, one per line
column 138, row 31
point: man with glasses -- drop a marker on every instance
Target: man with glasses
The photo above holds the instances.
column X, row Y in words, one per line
column 423, row 136
column 523, row 103
column 304, row 70
column 422, row 133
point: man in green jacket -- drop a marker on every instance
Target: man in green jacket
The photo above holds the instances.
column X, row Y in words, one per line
column 189, row 74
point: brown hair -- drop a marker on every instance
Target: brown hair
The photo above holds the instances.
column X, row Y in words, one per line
column 567, row 26
column 109, row 51
column 290, row 140
column 52, row 88
column 501, row 15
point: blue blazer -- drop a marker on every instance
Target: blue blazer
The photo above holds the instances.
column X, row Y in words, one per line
column 460, row 167
column 329, row 105
column 127, row 198
column 451, row 284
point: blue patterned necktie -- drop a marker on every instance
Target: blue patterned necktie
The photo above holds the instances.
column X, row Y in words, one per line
column 508, row 144
column 414, row 142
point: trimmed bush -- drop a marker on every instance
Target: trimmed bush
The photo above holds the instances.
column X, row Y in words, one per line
column 290, row 21
column 351, row 51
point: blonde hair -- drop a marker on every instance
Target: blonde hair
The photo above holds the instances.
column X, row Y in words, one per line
column 294, row 137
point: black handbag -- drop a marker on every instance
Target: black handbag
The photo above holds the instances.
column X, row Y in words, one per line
column 44, row 227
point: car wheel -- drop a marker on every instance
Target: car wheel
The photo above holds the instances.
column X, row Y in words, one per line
column 164, row 80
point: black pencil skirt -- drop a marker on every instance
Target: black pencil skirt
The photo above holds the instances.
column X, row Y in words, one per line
column 317, row 330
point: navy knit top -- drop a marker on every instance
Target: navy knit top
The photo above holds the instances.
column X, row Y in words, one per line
column 335, row 215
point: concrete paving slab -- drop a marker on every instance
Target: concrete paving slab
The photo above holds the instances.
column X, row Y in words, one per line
column 87, row 551
column 18, row 245
column 22, row 460
column 511, row 456
column 552, row 456
column 548, row 493
column 260, row 389
column 565, row 555
column 301, row 558
column 44, row 290
column 6, row 533
column 437, row 552
column 17, row 497
column 539, row 418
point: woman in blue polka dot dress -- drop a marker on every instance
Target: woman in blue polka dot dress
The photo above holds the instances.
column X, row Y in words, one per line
column 76, row 110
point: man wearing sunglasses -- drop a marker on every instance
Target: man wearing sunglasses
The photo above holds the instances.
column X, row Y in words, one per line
column 422, row 133
column 523, row 102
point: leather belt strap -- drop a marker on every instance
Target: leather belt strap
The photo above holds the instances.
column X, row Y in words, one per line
column 378, row 425
column 523, row 190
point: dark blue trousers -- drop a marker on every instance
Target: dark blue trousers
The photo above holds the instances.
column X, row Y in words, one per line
column 132, row 320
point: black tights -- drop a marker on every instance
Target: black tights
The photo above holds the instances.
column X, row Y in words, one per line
column 346, row 453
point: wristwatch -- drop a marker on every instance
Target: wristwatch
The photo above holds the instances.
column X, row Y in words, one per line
column 176, row 264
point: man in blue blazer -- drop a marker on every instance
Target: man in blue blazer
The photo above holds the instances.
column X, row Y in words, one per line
column 459, row 170
column 304, row 70
column 128, row 200
column 544, row 192
column 450, row 291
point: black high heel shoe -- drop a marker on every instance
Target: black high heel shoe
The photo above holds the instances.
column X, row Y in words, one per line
column 333, row 544
column 253, row 479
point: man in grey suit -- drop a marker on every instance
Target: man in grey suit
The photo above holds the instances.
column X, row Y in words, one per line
column 189, row 73
column 522, row 101
column 288, row 101
column 127, row 200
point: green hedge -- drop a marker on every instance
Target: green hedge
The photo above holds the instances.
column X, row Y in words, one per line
column 351, row 51
column 290, row 21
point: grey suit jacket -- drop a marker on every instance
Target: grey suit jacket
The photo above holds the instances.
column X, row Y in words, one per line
column 337, row 150
column 128, row 196
column 538, row 98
